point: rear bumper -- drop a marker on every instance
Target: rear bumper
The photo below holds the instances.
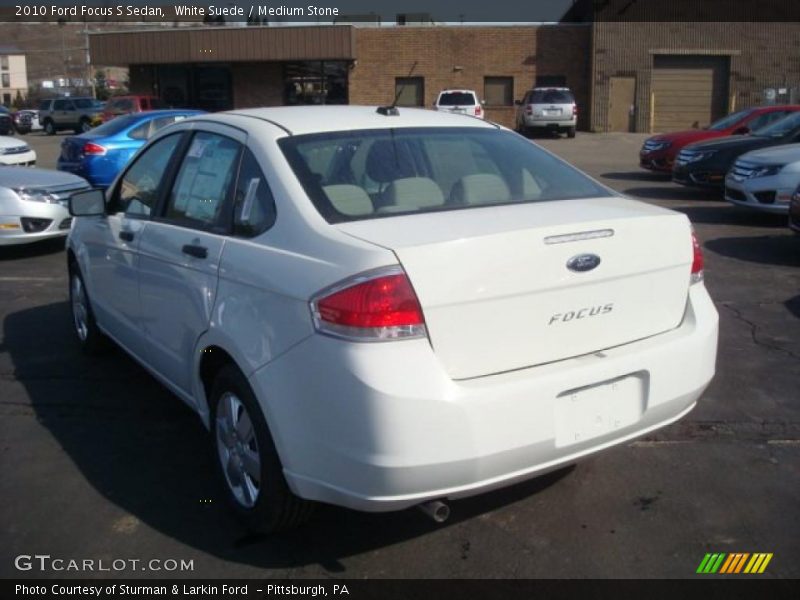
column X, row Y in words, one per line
column 381, row 427
column 545, row 123
column 95, row 172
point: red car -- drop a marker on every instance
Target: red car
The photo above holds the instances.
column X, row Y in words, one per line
column 125, row 105
column 659, row 152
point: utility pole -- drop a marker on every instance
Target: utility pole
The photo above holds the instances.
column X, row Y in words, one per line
column 89, row 78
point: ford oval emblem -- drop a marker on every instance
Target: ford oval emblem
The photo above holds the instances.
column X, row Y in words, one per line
column 583, row 262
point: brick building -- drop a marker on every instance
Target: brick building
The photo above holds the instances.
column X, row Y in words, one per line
column 627, row 76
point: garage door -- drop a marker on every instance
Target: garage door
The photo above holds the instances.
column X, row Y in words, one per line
column 688, row 90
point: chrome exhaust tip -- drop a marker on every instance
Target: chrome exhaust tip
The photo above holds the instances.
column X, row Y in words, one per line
column 436, row 510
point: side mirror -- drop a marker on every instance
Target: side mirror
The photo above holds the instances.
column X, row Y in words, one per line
column 91, row 203
column 741, row 131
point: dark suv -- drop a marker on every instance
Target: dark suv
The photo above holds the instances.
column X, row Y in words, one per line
column 78, row 114
column 6, row 126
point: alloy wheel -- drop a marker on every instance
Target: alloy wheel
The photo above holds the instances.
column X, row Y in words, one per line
column 237, row 449
column 80, row 308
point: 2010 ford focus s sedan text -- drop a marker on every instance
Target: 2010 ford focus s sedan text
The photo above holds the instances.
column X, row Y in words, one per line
column 387, row 308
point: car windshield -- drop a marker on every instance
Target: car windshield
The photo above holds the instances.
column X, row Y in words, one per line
column 116, row 125
column 3, row 109
column 730, row 120
column 457, row 99
column 355, row 175
column 780, row 128
column 551, row 97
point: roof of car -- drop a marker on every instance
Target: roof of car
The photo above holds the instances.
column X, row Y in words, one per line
column 298, row 120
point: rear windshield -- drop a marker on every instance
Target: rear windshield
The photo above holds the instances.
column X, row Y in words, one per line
column 115, row 125
column 730, row 120
column 551, row 97
column 456, row 99
column 780, row 128
column 356, row 175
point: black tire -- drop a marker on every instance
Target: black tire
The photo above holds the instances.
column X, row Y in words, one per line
column 91, row 339
column 84, row 126
column 275, row 507
column 571, row 132
column 49, row 127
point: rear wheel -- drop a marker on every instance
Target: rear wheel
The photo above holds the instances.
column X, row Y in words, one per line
column 571, row 132
column 84, row 126
column 90, row 337
column 247, row 461
column 49, row 127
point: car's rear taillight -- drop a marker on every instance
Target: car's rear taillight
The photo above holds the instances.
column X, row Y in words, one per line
column 92, row 149
column 529, row 110
column 574, row 110
column 376, row 306
column 478, row 111
column 697, row 260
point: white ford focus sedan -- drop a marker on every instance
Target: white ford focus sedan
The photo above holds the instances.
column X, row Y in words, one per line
column 387, row 308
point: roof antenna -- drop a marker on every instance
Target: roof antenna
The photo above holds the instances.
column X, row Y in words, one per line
column 391, row 111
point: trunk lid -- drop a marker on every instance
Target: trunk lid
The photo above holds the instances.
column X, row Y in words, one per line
column 496, row 291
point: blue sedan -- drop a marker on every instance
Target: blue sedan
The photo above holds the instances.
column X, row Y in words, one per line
column 98, row 155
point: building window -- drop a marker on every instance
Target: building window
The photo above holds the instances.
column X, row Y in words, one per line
column 551, row 81
column 409, row 91
column 498, row 91
column 4, row 63
column 315, row 82
column 5, row 80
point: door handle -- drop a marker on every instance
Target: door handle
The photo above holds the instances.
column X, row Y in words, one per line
column 195, row 251
column 126, row 235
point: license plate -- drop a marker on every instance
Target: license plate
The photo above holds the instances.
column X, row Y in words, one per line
column 552, row 112
column 591, row 412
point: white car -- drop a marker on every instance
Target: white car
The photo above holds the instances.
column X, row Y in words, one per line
column 461, row 102
column 765, row 179
column 33, row 204
column 387, row 308
column 16, row 152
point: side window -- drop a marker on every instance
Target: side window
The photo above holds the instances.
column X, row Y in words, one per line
column 140, row 132
column 60, row 105
column 765, row 119
column 254, row 206
column 138, row 191
column 204, row 182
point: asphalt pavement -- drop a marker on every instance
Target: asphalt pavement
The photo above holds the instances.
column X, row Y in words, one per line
column 100, row 462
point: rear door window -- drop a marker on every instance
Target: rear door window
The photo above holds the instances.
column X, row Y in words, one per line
column 204, row 183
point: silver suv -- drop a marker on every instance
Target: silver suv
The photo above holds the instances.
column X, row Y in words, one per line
column 78, row 114
column 547, row 108
column 462, row 102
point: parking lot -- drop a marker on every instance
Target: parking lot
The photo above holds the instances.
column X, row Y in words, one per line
column 99, row 461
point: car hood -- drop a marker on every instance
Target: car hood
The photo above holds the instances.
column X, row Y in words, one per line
column 785, row 154
column 19, row 177
column 736, row 143
column 7, row 141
